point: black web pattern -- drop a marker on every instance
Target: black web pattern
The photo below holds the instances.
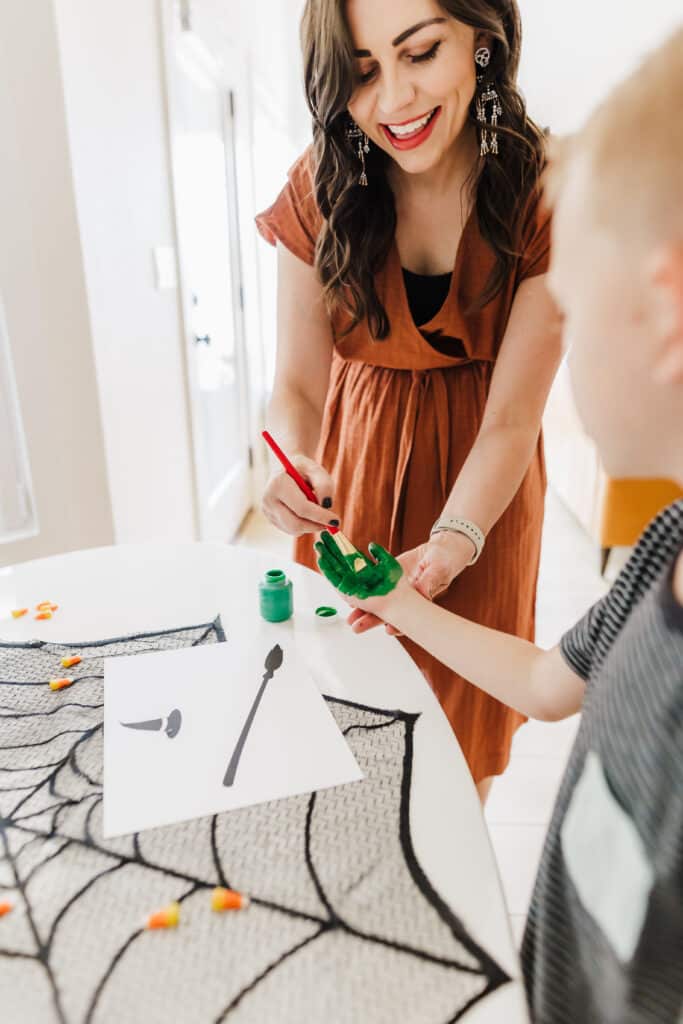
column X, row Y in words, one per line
column 344, row 924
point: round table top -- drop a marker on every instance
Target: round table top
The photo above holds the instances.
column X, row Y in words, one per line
column 115, row 591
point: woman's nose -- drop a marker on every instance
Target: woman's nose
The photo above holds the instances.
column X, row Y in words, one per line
column 396, row 93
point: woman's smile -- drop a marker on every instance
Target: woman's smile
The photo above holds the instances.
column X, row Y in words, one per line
column 410, row 134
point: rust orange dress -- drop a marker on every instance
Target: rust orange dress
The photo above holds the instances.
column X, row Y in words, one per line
column 400, row 419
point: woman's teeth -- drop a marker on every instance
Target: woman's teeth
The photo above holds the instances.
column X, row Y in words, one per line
column 402, row 130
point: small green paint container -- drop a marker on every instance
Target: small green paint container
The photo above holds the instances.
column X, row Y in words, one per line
column 276, row 596
column 326, row 613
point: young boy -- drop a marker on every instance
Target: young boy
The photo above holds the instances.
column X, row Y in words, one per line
column 604, row 938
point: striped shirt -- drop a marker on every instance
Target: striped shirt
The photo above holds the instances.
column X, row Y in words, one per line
column 604, row 938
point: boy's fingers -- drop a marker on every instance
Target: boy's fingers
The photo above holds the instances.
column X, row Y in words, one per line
column 365, row 622
column 332, row 551
column 380, row 554
column 386, row 562
column 338, row 576
column 329, row 570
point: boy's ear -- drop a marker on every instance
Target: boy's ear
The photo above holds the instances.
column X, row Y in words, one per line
column 667, row 281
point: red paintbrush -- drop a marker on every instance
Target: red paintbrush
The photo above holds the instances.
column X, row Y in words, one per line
column 289, row 469
column 343, row 542
column 293, row 472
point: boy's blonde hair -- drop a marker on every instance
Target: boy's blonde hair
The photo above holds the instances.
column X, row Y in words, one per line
column 634, row 146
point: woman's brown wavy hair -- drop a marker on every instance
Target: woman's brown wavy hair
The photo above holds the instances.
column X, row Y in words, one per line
column 359, row 223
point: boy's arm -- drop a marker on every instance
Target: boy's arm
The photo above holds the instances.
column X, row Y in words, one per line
column 535, row 682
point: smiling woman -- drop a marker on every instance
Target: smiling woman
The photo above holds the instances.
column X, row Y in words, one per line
column 416, row 339
column 414, row 95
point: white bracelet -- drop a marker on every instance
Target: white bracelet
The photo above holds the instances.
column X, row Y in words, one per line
column 453, row 524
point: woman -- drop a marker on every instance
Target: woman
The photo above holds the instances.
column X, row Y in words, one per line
column 416, row 339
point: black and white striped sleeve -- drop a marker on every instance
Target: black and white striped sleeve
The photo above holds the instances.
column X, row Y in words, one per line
column 588, row 642
column 579, row 644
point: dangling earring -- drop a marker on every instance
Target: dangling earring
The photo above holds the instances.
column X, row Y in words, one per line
column 487, row 94
column 353, row 132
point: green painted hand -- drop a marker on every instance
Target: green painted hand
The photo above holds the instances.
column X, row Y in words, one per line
column 375, row 579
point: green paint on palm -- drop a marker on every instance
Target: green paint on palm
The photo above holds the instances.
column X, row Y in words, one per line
column 375, row 579
column 356, row 562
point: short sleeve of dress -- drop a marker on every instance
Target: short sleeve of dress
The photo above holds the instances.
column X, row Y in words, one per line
column 535, row 247
column 294, row 218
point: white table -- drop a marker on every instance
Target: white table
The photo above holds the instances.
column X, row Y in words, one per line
column 116, row 591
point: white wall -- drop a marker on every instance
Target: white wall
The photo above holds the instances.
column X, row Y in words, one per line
column 574, row 52
column 115, row 102
column 42, row 284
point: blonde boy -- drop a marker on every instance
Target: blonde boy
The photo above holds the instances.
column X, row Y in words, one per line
column 604, row 939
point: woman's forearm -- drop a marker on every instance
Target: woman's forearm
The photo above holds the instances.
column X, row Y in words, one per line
column 295, row 421
column 491, row 475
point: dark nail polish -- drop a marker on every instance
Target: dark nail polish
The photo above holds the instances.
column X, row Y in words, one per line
column 334, row 522
column 327, row 502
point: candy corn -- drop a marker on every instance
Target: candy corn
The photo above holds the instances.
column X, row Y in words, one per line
column 75, row 659
column 227, row 899
column 43, row 615
column 166, row 918
column 60, row 684
column 18, row 612
column 5, row 908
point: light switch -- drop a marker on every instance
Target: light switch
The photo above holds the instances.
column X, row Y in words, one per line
column 165, row 268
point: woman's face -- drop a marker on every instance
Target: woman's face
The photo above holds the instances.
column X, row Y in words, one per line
column 416, row 78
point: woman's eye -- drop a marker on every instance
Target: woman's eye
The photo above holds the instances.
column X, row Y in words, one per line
column 367, row 76
column 430, row 54
column 419, row 58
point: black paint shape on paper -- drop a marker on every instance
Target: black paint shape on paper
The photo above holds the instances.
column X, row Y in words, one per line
column 172, row 728
column 274, row 659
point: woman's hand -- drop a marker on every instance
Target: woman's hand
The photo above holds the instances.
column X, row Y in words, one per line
column 430, row 568
column 288, row 509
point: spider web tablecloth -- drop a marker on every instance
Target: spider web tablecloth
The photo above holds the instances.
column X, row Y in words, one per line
column 344, row 926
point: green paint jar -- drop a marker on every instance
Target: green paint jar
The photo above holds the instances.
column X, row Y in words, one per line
column 276, row 596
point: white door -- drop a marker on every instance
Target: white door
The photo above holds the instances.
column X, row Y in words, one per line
column 202, row 141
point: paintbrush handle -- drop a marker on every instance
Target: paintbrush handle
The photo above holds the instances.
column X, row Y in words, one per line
column 289, row 468
column 231, row 770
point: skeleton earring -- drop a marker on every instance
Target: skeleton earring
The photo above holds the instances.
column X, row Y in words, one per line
column 487, row 94
column 353, row 132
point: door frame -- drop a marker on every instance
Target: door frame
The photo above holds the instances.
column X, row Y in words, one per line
column 231, row 77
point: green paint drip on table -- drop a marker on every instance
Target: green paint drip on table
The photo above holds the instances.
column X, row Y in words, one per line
column 325, row 612
column 276, row 596
column 374, row 580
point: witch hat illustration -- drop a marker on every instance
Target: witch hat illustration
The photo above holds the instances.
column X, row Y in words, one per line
column 170, row 725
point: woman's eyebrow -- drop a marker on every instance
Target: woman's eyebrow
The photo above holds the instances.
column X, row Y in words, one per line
column 404, row 35
column 416, row 28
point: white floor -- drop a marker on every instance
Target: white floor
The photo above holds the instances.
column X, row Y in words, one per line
column 520, row 804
